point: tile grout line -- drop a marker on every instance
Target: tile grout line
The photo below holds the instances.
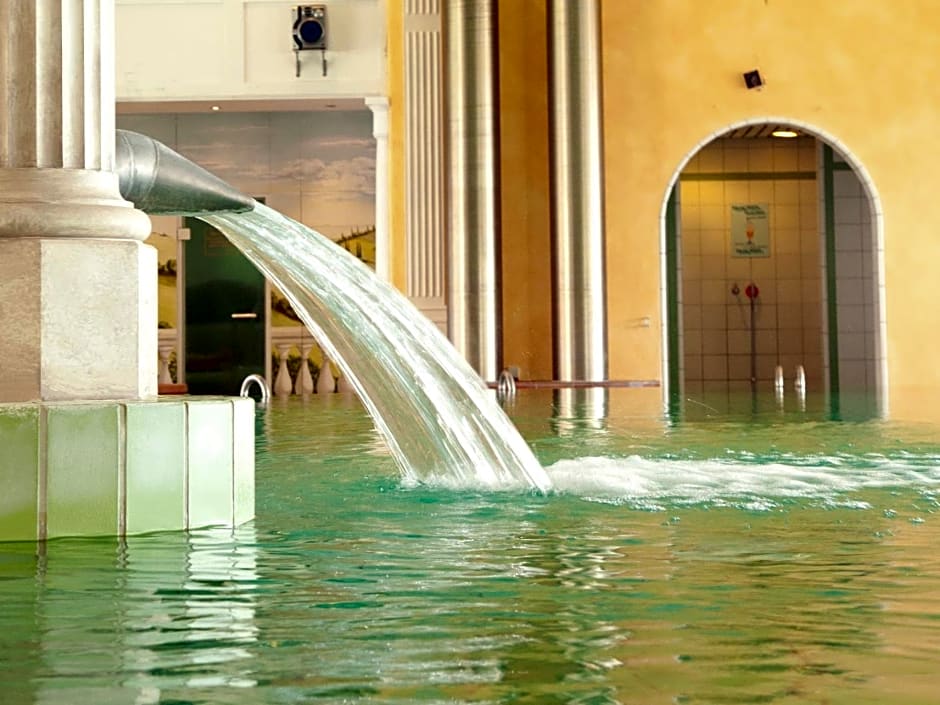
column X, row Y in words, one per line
column 232, row 468
column 42, row 480
column 186, row 465
column 122, row 470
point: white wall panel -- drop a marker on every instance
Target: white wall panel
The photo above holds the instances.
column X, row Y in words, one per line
column 165, row 49
column 221, row 49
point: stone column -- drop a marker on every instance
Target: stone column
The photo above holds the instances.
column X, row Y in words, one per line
column 77, row 285
column 577, row 191
column 473, row 184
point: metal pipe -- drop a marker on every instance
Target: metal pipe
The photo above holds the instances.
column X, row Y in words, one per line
column 159, row 181
column 473, row 187
column 577, row 192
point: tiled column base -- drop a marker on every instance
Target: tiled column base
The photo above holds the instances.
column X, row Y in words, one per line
column 112, row 468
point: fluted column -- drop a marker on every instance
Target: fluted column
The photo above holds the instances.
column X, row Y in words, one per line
column 424, row 200
column 578, row 191
column 379, row 107
column 473, row 184
column 77, row 287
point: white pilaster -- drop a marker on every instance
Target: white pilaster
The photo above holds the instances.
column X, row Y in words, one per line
column 379, row 107
column 424, row 187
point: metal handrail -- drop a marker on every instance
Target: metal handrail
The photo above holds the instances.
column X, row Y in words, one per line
column 506, row 384
column 262, row 384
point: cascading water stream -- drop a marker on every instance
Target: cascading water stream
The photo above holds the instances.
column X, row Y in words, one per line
column 440, row 422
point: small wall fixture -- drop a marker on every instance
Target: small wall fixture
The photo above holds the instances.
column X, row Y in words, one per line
column 309, row 32
column 752, row 79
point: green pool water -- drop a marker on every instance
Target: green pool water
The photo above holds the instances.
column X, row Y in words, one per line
column 734, row 553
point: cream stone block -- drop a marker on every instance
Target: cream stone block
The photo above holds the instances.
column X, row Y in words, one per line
column 19, row 316
column 79, row 319
column 98, row 319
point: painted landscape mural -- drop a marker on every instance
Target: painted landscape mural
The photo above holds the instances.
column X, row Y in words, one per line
column 317, row 167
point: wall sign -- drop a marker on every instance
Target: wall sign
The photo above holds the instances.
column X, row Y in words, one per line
column 750, row 234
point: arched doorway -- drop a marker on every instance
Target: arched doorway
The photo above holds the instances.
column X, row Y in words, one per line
column 773, row 257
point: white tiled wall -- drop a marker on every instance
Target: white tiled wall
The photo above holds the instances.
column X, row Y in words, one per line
column 856, row 287
column 716, row 324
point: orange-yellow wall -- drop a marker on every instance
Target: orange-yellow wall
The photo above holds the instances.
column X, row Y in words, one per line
column 862, row 71
column 396, row 142
column 525, row 192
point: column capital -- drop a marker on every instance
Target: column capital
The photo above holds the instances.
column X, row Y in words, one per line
column 378, row 104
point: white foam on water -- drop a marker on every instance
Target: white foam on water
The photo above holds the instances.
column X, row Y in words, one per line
column 653, row 483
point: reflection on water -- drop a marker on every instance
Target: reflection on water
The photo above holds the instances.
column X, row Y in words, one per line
column 776, row 559
column 95, row 621
column 577, row 410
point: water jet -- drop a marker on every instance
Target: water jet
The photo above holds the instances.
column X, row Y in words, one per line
column 434, row 412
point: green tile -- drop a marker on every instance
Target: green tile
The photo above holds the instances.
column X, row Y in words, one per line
column 82, row 469
column 156, row 458
column 19, row 471
column 244, row 459
column 209, row 437
column 18, row 561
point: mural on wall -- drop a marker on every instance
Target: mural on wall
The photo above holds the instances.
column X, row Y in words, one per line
column 317, row 167
column 359, row 242
column 166, row 278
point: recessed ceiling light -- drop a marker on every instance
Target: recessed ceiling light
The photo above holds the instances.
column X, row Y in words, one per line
column 215, row 108
column 784, row 133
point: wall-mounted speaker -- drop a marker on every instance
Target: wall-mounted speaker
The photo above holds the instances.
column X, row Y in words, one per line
column 310, row 27
column 752, row 79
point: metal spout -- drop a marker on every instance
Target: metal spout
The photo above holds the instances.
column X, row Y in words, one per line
column 159, row 181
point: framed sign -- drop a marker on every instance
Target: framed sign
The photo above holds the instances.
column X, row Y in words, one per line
column 750, row 233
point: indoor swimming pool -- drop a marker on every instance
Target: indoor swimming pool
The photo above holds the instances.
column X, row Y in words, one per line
column 735, row 553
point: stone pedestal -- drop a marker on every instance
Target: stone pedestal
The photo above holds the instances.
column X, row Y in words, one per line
column 79, row 319
column 86, row 448
column 115, row 468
